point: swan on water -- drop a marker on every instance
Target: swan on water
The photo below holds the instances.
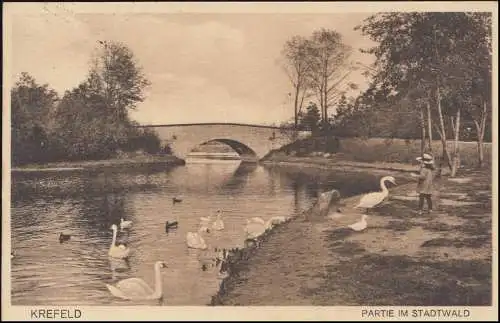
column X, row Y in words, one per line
column 360, row 225
column 120, row 251
column 373, row 199
column 207, row 258
column 137, row 289
column 194, row 240
column 125, row 224
column 218, row 223
column 204, row 223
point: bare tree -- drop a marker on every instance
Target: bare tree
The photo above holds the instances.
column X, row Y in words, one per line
column 329, row 67
column 296, row 66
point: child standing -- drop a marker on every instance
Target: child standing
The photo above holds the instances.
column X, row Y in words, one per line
column 425, row 179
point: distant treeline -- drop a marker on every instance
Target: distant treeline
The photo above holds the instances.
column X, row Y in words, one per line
column 89, row 122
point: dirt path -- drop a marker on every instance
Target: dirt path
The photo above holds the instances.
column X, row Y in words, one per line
column 401, row 258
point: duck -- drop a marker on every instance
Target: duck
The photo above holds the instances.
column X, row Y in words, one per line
column 120, row 251
column 12, row 254
column 138, row 289
column 171, row 225
column 176, row 200
column 64, row 237
column 373, row 199
column 194, row 240
column 360, row 225
column 218, row 223
column 125, row 224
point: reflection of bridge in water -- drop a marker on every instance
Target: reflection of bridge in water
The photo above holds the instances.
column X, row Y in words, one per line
column 251, row 142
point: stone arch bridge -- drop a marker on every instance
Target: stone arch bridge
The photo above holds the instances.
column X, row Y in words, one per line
column 251, row 142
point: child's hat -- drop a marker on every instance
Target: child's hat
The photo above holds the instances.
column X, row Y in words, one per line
column 427, row 159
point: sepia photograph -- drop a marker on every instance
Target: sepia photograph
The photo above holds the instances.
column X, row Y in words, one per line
column 219, row 155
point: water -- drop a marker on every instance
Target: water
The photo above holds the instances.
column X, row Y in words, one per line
column 86, row 203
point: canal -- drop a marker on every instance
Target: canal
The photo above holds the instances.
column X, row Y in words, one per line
column 85, row 203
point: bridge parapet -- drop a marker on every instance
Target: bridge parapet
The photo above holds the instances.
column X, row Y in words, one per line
column 251, row 142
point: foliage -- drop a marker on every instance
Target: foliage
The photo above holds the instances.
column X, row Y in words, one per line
column 32, row 106
column 91, row 121
column 440, row 59
column 311, row 119
column 318, row 65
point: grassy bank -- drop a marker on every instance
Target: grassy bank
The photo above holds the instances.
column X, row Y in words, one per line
column 122, row 162
column 402, row 258
column 377, row 150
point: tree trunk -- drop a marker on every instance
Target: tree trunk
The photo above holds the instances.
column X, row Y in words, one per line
column 422, row 143
column 456, row 156
column 446, row 155
column 480, row 128
column 429, row 125
column 296, row 107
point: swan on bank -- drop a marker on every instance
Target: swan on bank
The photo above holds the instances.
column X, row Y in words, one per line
column 138, row 289
column 360, row 225
column 373, row 199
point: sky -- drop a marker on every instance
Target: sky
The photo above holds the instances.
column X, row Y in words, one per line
column 203, row 67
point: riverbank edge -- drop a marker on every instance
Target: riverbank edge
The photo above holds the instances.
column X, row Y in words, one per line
column 115, row 162
column 237, row 263
column 329, row 164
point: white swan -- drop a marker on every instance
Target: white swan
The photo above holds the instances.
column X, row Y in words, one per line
column 207, row 258
column 120, row 251
column 372, row 199
column 137, row 289
column 125, row 224
column 218, row 223
column 194, row 240
column 360, row 225
column 205, row 223
column 254, row 229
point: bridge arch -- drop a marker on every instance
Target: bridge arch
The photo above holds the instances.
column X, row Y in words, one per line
column 251, row 142
column 245, row 152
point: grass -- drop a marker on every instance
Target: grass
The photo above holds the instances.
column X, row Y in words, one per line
column 380, row 150
column 444, row 258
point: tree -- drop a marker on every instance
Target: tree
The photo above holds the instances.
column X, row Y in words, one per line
column 480, row 87
column 118, row 77
column 296, row 65
column 329, row 68
column 32, row 106
column 83, row 129
column 310, row 120
column 428, row 49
